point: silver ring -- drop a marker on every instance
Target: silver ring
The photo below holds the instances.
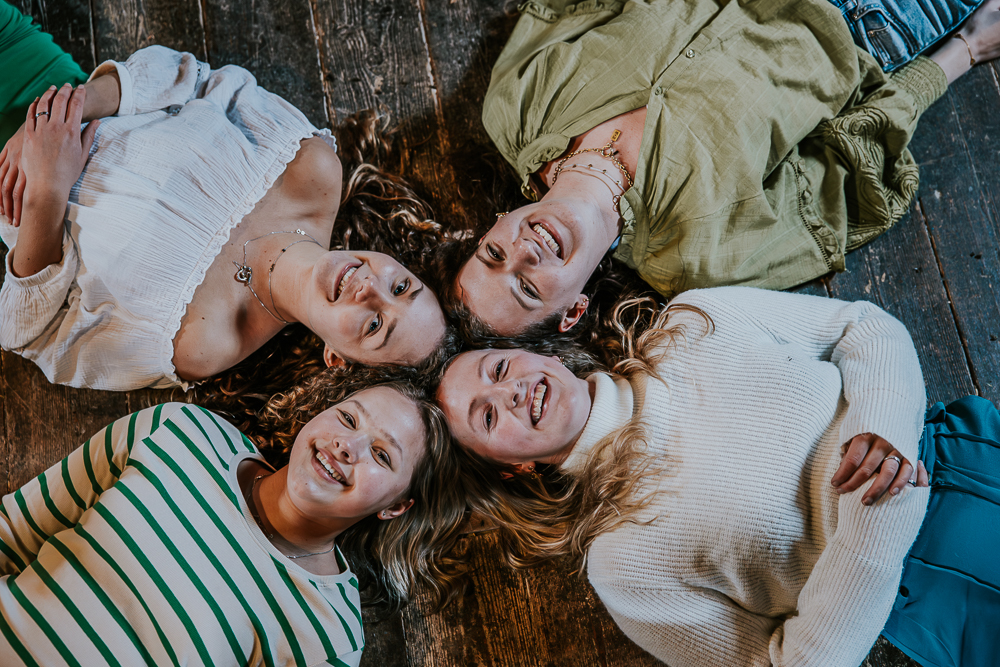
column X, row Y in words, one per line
column 41, row 113
column 911, row 482
column 898, row 460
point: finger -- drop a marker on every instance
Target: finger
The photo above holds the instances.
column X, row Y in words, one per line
column 59, row 102
column 7, row 190
column 87, row 140
column 903, row 477
column 17, row 196
column 873, row 459
column 29, row 120
column 883, row 480
column 857, row 449
column 4, row 168
column 922, row 478
column 45, row 101
column 74, row 114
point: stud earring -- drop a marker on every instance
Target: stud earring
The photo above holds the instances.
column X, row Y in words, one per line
column 500, row 215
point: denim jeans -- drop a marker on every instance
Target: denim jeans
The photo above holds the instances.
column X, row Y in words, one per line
column 896, row 31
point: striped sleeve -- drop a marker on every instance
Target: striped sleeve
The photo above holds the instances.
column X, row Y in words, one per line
column 55, row 500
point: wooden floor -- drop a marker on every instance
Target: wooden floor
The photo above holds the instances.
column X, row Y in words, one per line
column 427, row 62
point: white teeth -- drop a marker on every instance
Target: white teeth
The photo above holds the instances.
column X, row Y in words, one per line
column 343, row 281
column 549, row 239
column 321, row 457
column 536, row 405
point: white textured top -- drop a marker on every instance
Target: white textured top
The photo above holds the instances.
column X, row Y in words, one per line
column 189, row 155
column 139, row 549
column 750, row 557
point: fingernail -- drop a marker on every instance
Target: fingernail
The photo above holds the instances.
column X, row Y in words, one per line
column 835, row 484
column 867, row 501
column 894, row 492
column 52, row 87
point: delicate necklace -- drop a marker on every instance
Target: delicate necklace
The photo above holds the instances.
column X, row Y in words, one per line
column 607, row 151
column 268, row 533
column 244, row 273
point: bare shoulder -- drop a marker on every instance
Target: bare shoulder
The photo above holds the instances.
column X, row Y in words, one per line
column 315, row 170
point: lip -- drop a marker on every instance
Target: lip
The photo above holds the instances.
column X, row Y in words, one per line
column 545, row 401
column 555, row 235
column 340, row 277
column 322, row 472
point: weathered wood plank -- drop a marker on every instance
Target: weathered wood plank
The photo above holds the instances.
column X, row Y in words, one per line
column 374, row 55
column 276, row 41
column 69, row 22
column 122, row 27
column 958, row 196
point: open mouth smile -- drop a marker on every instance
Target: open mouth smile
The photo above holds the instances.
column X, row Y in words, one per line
column 328, row 466
column 549, row 238
column 345, row 278
column 538, row 401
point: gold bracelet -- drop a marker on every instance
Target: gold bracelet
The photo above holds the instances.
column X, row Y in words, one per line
column 972, row 60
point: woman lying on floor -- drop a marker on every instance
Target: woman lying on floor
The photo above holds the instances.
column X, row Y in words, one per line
column 169, row 538
column 694, row 483
column 193, row 223
column 698, row 142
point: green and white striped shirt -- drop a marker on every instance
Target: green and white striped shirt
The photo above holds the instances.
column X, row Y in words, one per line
column 138, row 548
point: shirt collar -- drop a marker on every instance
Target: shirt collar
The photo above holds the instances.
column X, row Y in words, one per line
column 613, row 407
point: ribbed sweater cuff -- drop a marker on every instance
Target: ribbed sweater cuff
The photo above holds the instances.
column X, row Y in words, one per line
column 924, row 80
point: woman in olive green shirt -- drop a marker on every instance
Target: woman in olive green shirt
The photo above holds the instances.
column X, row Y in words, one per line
column 714, row 143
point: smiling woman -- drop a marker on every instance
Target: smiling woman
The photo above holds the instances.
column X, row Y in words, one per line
column 186, row 544
column 244, row 194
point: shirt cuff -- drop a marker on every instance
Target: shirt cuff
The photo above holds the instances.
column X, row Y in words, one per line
column 923, row 79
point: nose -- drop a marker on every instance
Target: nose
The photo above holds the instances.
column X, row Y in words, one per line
column 347, row 447
column 525, row 253
column 369, row 291
column 512, row 393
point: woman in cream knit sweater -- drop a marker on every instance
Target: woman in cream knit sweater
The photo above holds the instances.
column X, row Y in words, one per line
column 704, row 488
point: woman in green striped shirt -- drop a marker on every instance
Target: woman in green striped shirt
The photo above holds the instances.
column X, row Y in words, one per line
column 169, row 539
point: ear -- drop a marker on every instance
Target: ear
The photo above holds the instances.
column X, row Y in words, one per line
column 332, row 358
column 574, row 313
column 393, row 511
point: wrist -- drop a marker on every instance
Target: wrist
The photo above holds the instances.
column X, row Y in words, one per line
column 103, row 96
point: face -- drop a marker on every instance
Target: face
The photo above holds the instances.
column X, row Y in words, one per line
column 534, row 262
column 368, row 308
column 513, row 406
column 357, row 458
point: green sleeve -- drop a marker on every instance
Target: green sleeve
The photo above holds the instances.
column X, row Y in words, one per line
column 55, row 500
column 31, row 63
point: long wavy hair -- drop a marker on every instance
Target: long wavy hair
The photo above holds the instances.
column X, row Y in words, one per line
column 391, row 557
column 379, row 211
column 554, row 513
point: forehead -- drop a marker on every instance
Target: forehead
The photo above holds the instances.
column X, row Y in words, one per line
column 486, row 292
column 391, row 416
column 420, row 327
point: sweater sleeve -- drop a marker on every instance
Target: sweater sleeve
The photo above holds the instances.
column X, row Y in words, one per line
column 56, row 499
column 156, row 78
column 879, row 368
column 33, row 303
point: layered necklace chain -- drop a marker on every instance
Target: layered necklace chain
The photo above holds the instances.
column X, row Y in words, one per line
column 608, row 152
column 244, row 272
column 267, row 529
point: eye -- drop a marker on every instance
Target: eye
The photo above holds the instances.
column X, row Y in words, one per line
column 498, row 370
column 402, row 287
column 374, row 325
column 382, row 456
column 348, row 419
column 494, row 252
column 528, row 291
column 488, row 418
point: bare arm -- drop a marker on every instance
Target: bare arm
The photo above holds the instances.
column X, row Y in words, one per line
column 978, row 40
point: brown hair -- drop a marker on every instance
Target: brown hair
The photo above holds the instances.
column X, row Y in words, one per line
column 559, row 514
column 389, row 557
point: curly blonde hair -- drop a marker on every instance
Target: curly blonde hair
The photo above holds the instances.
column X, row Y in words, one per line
column 390, row 558
column 559, row 514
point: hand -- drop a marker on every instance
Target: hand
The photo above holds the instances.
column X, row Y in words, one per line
column 982, row 31
column 865, row 455
column 11, row 179
column 54, row 151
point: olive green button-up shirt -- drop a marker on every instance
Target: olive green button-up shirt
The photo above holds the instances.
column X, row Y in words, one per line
column 772, row 145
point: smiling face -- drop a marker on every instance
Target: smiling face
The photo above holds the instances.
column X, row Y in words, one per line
column 534, row 263
column 368, row 308
column 357, row 458
column 513, row 406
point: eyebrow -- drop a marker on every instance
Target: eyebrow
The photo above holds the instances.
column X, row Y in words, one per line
column 384, row 435
column 513, row 291
column 392, row 327
column 472, row 404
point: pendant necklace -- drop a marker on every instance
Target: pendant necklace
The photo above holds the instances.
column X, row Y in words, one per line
column 265, row 529
column 244, row 272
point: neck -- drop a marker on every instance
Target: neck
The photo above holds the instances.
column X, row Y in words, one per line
column 291, row 280
column 291, row 530
column 578, row 186
column 559, row 457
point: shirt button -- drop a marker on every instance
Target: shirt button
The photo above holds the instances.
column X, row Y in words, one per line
column 689, row 53
column 658, row 91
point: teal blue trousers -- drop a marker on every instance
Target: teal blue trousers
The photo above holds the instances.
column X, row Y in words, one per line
column 947, row 611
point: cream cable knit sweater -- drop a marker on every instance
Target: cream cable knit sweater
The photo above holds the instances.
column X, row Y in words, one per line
column 749, row 556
